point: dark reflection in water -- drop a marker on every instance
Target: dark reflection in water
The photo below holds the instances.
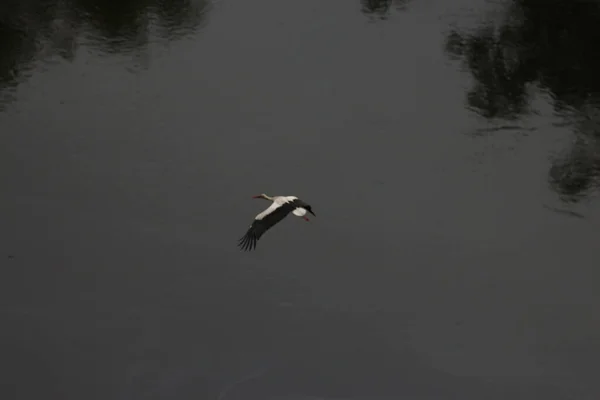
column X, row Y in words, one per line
column 577, row 173
column 40, row 30
column 126, row 25
column 381, row 8
column 551, row 47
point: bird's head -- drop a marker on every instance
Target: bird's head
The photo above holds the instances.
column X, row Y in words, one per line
column 262, row 196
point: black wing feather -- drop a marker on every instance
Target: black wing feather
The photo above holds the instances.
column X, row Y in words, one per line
column 260, row 226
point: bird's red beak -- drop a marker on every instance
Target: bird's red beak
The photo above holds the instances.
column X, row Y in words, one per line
column 257, row 197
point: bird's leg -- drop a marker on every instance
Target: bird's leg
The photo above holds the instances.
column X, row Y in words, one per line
column 306, row 219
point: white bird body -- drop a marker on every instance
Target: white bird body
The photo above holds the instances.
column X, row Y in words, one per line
column 300, row 212
column 279, row 209
column 279, row 201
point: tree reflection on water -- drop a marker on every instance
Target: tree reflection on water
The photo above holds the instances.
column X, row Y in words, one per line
column 550, row 46
column 381, row 8
column 39, row 30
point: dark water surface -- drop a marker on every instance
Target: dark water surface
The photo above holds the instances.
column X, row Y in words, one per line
column 451, row 152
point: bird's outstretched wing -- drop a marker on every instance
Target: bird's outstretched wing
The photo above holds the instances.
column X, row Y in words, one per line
column 261, row 225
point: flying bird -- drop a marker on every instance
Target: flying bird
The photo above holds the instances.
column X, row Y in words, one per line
column 281, row 207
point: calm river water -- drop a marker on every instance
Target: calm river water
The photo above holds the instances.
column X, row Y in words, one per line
column 451, row 152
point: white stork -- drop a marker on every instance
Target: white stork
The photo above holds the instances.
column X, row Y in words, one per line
column 282, row 206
